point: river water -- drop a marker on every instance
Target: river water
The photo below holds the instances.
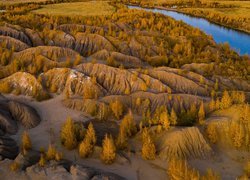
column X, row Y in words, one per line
column 238, row 40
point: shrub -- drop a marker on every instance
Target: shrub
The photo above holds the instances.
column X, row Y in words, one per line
column 51, row 153
column 42, row 161
column 14, row 166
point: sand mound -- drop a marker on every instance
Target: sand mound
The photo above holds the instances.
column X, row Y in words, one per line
column 114, row 80
column 118, row 58
column 28, row 116
column 23, row 83
column 69, row 28
column 232, row 83
column 62, row 39
column 184, row 143
column 7, row 123
column 19, row 35
column 71, row 82
column 12, row 42
column 8, row 147
column 178, row 83
column 125, row 60
column 34, row 37
column 52, row 52
column 88, row 44
column 94, row 108
column 139, row 49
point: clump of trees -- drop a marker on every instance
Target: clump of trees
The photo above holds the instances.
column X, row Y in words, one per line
column 238, row 131
column 179, row 169
column 86, row 147
column 127, row 129
column 51, row 154
column 227, row 100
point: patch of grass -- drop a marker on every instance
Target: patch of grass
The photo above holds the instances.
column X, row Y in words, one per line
column 19, row 1
column 92, row 8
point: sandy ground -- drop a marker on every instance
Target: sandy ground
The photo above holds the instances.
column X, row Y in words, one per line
column 54, row 114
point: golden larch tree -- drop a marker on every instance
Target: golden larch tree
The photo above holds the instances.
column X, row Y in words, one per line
column 164, row 120
column 51, row 153
column 26, row 142
column 90, row 134
column 122, row 139
column 226, row 101
column 173, row 117
column 128, row 124
column 148, row 147
column 108, row 154
column 212, row 105
column 68, row 135
column 201, row 114
column 212, row 133
column 117, row 108
column 42, row 161
column 85, row 148
column 88, row 143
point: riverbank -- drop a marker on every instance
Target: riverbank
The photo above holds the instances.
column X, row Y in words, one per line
column 238, row 40
column 181, row 10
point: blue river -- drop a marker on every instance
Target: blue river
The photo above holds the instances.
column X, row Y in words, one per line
column 238, row 40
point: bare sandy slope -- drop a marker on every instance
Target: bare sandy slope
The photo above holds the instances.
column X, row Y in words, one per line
column 53, row 114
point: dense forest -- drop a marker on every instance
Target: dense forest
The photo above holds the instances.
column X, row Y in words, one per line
column 204, row 9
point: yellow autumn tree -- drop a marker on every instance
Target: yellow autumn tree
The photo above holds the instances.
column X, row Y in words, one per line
column 58, row 156
column 127, row 129
column 164, row 120
column 212, row 105
column 88, row 143
column 148, row 148
column 245, row 115
column 42, row 161
column 108, row 154
column 117, row 108
column 201, row 114
column 14, row 166
column 26, row 142
column 238, row 137
column 51, row 153
column 122, row 139
column 212, row 133
column 217, row 104
column 226, row 101
column 128, row 124
column 247, row 168
column 68, row 135
column 85, row 148
column 173, row 117
column 90, row 134
column 179, row 169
